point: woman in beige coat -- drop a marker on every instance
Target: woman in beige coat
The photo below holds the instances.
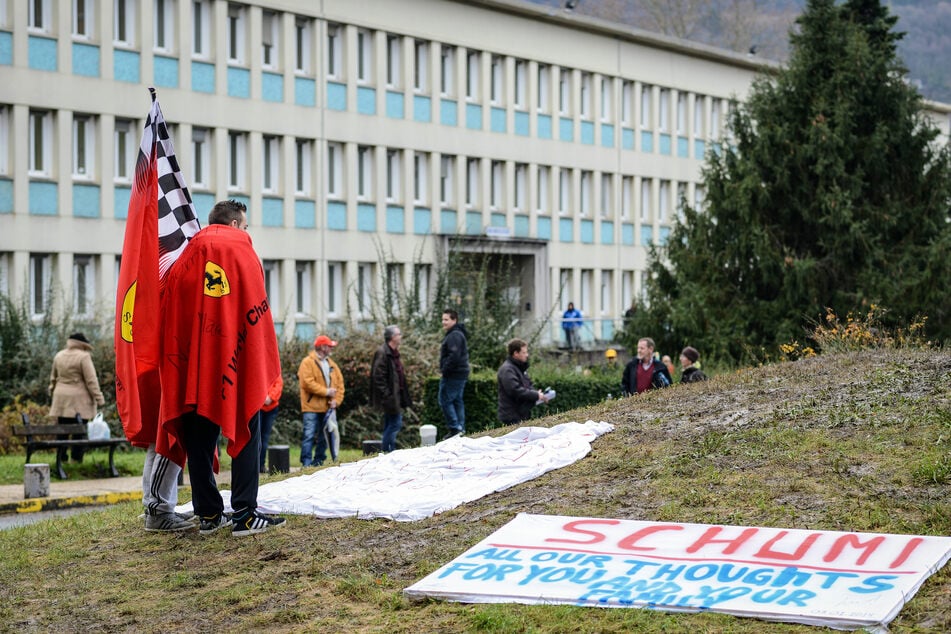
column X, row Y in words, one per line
column 74, row 386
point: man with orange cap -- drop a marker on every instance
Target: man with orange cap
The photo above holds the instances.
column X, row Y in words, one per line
column 321, row 390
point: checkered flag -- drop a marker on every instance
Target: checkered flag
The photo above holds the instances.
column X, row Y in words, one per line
column 177, row 222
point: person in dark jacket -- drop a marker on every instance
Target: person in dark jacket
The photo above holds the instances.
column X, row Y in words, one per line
column 517, row 396
column 644, row 372
column 690, row 374
column 388, row 389
column 454, row 368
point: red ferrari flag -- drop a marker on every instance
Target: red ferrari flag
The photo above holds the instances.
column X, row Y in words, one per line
column 161, row 219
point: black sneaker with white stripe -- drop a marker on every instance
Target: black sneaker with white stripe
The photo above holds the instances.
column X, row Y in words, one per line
column 254, row 523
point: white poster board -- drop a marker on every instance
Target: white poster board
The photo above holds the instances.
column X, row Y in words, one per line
column 836, row 579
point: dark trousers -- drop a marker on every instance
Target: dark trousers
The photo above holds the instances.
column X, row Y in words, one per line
column 200, row 436
column 76, row 451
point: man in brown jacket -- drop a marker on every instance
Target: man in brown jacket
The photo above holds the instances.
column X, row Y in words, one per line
column 321, row 390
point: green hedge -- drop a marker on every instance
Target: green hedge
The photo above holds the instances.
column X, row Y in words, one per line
column 481, row 396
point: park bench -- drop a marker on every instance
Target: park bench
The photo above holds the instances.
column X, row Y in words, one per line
column 52, row 437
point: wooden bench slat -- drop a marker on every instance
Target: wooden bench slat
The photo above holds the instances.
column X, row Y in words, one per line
column 58, row 442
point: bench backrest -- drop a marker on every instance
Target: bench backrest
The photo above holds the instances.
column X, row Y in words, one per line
column 48, row 430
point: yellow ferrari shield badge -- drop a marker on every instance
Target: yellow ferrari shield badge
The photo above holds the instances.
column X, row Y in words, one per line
column 216, row 282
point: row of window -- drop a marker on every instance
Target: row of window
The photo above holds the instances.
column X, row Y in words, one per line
column 561, row 190
column 365, row 289
column 500, row 79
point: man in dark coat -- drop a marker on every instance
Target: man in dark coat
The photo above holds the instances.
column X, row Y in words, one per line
column 454, row 368
column 644, row 372
column 517, row 396
column 691, row 373
column 388, row 390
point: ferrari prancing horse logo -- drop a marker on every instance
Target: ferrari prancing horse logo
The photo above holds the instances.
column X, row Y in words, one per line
column 128, row 306
column 216, row 282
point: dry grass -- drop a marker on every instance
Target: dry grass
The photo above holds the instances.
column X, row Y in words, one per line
column 856, row 441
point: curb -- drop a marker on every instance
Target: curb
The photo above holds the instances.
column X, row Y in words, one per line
column 36, row 505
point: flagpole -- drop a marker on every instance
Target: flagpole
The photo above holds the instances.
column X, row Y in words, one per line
column 152, row 92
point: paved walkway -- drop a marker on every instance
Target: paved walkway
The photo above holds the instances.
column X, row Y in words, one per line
column 75, row 493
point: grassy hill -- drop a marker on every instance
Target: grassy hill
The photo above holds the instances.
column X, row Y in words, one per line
column 855, row 441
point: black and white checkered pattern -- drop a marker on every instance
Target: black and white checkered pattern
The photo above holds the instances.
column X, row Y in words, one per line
column 177, row 222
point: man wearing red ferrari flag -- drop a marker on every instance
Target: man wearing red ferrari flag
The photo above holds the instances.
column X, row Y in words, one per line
column 219, row 357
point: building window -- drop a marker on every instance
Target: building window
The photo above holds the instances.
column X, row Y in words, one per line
column 364, row 56
column 645, row 199
column 364, row 288
column 544, row 88
column 521, row 84
column 4, row 262
column 40, row 280
column 270, row 40
column 698, row 119
column 303, row 159
column 495, row 189
column 421, row 276
column 627, row 288
column 681, row 200
column 201, row 28
column 394, row 174
column 715, row 118
column 585, row 301
column 304, row 275
column 627, row 103
column 421, row 178
column 84, row 146
column 272, row 281
column 607, row 195
column 164, row 25
column 84, row 290
column 564, row 91
column 201, row 158
column 334, row 51
column 699, row 198
column 40, row 18
column 586, row 82
column 84, row 21
column 447, row 71
column 421, row 66
column 606, row 292
column 237, row 33
column 497, row 79
column 472, row 182
column 237, row 160
column 303, row 44
column 334, row 289
column 681, row 113
column 394, row 66
column 664, row 115
column 365, row 172
column 664, row 201
column 521, row 185
column 124, row 22
column 564, row 287
column 586, row 184
column 607, row 98
column 543, row 187
column 393, row 291
column 271, row 164
column 473, row 75
column 646, row 92
column 447, row 179
column 4, row 139
column 627, row 197
column 564, row 190
column 41, row 143
column 334, row 170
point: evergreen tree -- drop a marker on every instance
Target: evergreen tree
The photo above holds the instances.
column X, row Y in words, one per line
column 832, row 191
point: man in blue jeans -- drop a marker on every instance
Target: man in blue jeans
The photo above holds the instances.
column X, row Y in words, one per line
column 388, row 389
column 454, row 368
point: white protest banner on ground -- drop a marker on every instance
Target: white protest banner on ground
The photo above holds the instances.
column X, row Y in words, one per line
column 835, row 579
column 413, row 484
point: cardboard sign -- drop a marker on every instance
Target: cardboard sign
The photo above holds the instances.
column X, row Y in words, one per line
column 835, row 579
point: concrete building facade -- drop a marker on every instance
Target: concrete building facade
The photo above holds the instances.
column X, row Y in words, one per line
column 355, row 129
